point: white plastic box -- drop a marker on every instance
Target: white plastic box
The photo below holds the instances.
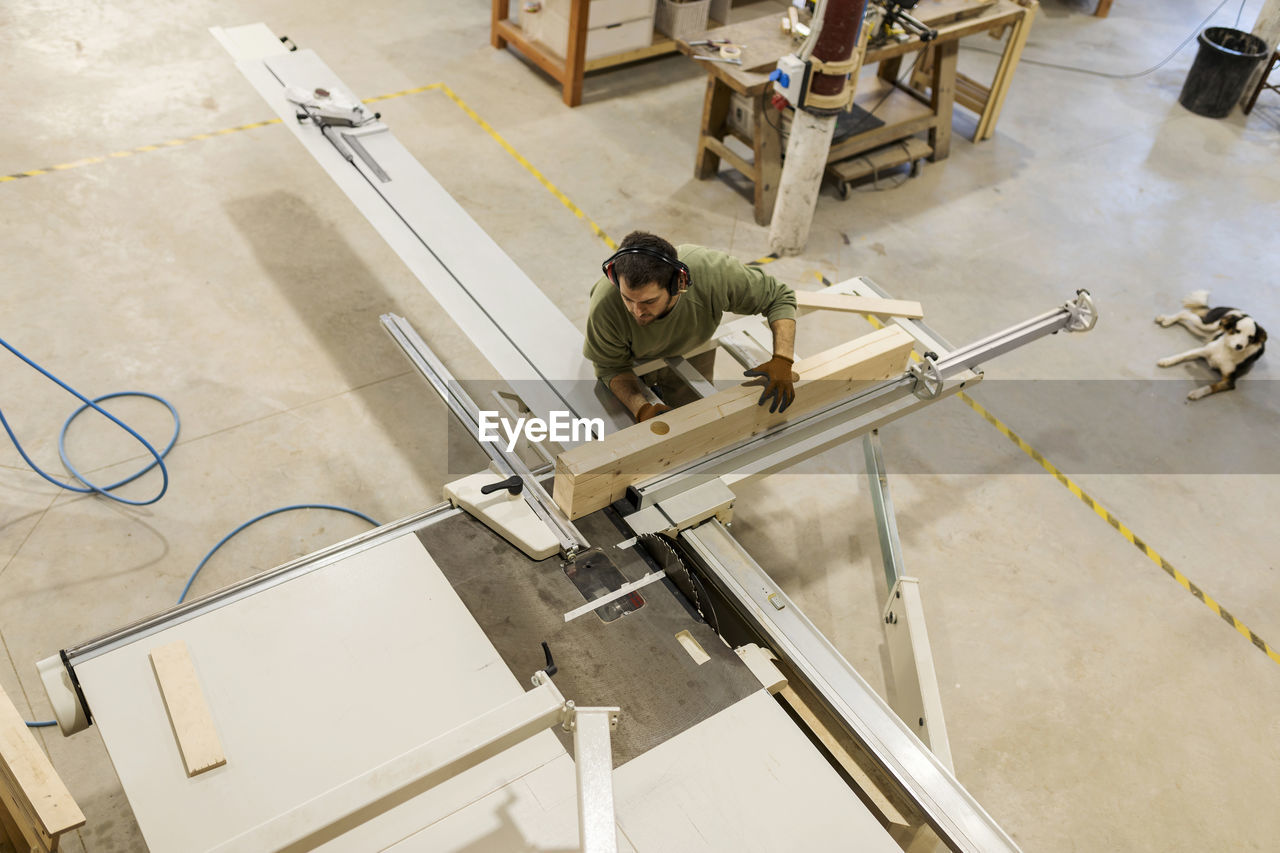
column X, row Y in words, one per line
column 613, row 26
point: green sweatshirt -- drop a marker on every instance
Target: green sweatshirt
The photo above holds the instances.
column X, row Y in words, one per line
column 615, row 341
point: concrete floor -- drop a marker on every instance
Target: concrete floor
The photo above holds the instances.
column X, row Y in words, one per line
column 1092, row 703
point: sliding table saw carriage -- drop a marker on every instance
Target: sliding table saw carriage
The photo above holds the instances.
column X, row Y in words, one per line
column 410, row 688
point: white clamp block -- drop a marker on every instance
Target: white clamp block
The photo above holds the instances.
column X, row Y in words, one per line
column 760, row 662
column 504, row 513
column 62, row 695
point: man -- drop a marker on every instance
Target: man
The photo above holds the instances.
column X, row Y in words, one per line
column 657, row 302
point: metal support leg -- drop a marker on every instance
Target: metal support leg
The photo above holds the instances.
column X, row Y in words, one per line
column 886, row 521
column 917, row 699
column 593, row 755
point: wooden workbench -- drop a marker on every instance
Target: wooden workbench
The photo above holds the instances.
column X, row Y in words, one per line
column 923, row 102
column 569, row 69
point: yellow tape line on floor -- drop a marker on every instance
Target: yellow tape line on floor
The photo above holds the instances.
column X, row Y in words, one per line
column 453, row 96
column 1107, row 516
column 1103, row 513
column 198, row 137
column 129, row 152
column 529, row 167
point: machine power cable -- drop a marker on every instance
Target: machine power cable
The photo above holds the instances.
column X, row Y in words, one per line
column 225, row 539
column 1108, row 75
column 90, row 487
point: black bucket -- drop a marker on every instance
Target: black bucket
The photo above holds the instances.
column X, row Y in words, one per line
column 1223, row 66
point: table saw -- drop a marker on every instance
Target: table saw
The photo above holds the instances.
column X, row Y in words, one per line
column 491, row 674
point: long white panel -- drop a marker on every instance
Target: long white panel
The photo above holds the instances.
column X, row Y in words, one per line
column 520, row 331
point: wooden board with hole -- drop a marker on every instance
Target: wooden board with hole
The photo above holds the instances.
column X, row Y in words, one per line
column 593, row 475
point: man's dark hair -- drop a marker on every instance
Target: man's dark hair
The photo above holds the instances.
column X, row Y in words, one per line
column 637, row 269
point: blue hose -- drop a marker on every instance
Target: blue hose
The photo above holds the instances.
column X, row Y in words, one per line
column 88, row 487
column 105, row 490
column 158, row 461
column 255, row 520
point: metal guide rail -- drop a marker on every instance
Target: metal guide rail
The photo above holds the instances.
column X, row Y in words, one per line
column 250, row 586
column 932, row 378
column 526, row 484
column 952, row 811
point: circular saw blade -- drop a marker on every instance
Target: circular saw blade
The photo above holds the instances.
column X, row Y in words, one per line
column 664, row 553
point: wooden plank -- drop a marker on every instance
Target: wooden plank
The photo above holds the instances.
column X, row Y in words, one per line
column 860, row 304
column 997, row 82
column 534, row 52
column 884, row 157
column 715, row 107
column 22, row 825
column 188, row 711
column 943, row 97
column 38, row 803
column 971, row 94
column 935, row 13
column 840, row 745
column 876, row 789
column 10, row 833
column 498, row 11
column 1004, row 72
column 660, row 46
column 579, row 22
column 593, row 475
column 1103, row 9
column 724, row 152
column 767, row 156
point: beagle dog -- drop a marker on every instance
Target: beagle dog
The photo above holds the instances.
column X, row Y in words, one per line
column 1235, row 341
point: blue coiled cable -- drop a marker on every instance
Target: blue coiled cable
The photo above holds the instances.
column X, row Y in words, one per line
column 157, row 461
column 88, row 487
column 225, row 539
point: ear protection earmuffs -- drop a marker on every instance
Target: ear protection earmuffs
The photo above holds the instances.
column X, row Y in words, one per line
column 679, row 271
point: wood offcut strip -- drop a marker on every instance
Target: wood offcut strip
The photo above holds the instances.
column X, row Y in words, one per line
column 188, row 711
column 860, row 304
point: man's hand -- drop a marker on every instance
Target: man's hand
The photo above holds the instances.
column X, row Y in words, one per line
column 779, row 382
column 649, row 410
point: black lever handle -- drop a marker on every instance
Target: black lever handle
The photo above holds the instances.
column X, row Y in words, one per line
column 550, row 668
column 512, row 484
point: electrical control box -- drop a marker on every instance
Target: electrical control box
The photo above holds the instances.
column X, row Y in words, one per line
column 791, row 78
